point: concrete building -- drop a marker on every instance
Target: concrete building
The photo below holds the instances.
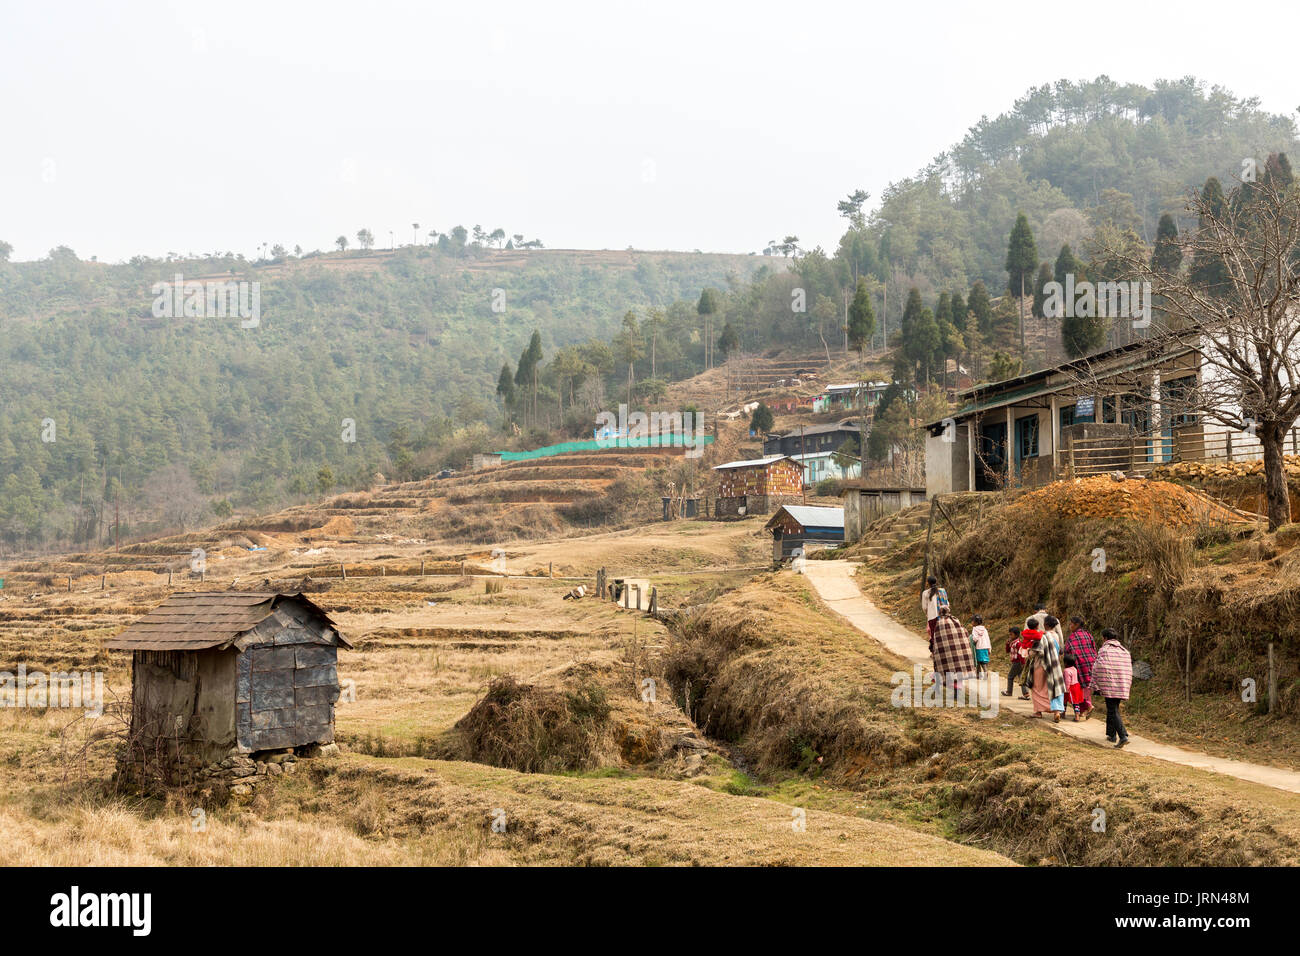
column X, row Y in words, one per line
column 863, row 504
column 1119, row 409
column 822, row 465
column 846, row 396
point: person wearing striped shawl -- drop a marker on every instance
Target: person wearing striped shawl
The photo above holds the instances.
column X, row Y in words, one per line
column 1049, row 673
column 1112, row 677
column 950, row 650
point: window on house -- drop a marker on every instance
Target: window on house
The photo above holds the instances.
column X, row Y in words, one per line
column 1027, row 436
column 1178, row 394
column 1108, row 410
column 1067, row 416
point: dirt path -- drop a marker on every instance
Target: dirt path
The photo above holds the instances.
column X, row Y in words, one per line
column 833, row 581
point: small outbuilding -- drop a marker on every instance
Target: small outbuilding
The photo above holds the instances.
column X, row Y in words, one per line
column 752, row 487
column 805, row 526
column 220, row 675
column 863, row 504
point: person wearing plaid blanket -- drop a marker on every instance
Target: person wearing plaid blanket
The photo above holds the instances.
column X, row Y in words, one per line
column 950, row 651
column 1081, row 645
column 1112, row 677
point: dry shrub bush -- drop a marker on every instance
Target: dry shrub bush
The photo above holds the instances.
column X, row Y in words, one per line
column 537, row 729
column 623, row 500
column 485, row 523
column 1018, row 557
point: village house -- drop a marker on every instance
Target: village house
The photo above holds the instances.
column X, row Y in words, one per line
column 811, row 439
column 757, row 485
column 1124, row 409
column 846, row 396
column 219, row 676
column 806, row 527
column 822, row 465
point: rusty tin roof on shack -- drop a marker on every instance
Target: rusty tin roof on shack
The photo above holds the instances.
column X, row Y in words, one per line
column 199, row 620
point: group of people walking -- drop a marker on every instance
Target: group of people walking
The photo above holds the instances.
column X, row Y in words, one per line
column 1054, row 670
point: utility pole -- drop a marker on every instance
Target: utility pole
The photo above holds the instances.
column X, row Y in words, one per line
column 803, row 460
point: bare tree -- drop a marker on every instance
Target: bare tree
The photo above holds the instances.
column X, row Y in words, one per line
column 1238, row 308
column 1247, row 325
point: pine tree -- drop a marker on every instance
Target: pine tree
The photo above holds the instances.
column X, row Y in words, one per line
column 926, row 340
column 526, row 372
column 978, row 302
column 907, row 329
column 1022, row 260
column 862, row 319
column 706, row 308
column 1068, row 264
column 1208, row 270
column 728, row 340
column 1082, row 335
column 1277, row 169
column 1040, row 289
column 861, row 326
column 1167, row 255
column 958, row 310
column 506, row 386
column 951, row 343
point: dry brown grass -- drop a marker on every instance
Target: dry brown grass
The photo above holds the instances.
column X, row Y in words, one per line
column 538, row 729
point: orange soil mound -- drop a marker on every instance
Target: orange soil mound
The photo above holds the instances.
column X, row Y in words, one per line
column 1136, row 499
column 338, row 525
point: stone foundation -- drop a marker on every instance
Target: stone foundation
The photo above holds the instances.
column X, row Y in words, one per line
column 239, row 772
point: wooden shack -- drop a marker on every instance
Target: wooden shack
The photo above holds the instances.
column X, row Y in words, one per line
column 754, row 487
column 218, row 675
column 805, row 526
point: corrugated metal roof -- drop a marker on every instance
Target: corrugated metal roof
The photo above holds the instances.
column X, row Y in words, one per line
column 813, row 516
column 849, row 386
column 1162, row 347
column 844, row 425
column 198, row 620
column 751, row 463
column 813, row 455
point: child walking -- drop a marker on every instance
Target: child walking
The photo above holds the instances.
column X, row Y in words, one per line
column 1074, row 691
column 1016, row 649
column 979, row 636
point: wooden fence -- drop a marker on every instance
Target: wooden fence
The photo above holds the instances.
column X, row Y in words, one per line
column 1142, row 453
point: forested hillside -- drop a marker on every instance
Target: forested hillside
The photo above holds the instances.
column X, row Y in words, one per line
column 1075, row 177
column 195, row 415
column 435, row 351
column 1053, row 156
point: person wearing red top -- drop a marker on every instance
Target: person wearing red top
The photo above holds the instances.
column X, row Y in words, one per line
column 1018, row 648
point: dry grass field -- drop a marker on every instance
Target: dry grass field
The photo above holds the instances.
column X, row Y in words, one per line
column 770, row 739
column 427, row 648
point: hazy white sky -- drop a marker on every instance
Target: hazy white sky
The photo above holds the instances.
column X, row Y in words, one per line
column 155, row 127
